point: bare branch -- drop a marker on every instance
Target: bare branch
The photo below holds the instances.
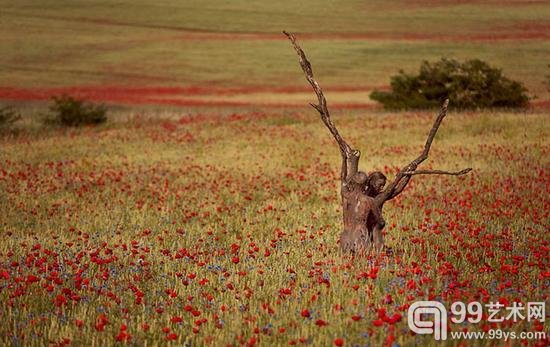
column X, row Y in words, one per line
column 404, row 175
column 399, row 187
column 437, row 172
column 424, row 155
column 350, row 157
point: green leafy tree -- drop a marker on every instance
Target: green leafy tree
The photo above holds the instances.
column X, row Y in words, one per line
column 8, row 116
column 469, row 85
column 68, row 111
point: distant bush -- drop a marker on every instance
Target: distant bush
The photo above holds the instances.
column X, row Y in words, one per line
column 469, row 85
column 68, row 111
column 8, row 116
column 548, row 80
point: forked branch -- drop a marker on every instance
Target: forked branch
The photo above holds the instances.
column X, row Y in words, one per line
column 350, row 157
column 404, row 175
column 437, row 172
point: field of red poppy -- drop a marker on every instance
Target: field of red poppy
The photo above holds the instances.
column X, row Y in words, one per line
column 204, row 229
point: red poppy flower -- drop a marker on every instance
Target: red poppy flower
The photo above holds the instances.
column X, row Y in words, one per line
column 321, row 323
column 171, row 337
column 356, row 318
column 176, row 319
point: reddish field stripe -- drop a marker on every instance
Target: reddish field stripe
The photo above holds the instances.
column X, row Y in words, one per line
column 157, row 95
column 106, row 90
column 448, row 3
column 506, row 35
column 183, row 96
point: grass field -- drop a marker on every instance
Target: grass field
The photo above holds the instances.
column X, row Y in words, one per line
column 223, row 45
column 223, row 230
column 207, row 212
column 106, row 229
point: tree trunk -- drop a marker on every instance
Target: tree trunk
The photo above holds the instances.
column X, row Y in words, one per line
column 363, row 196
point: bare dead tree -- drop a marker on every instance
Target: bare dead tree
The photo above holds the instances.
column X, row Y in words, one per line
column 364, row 196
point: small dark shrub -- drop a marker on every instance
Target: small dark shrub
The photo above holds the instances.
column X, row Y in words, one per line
column 8, row 116
column 469, row 85
column 68, row 111
column 548, row 81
